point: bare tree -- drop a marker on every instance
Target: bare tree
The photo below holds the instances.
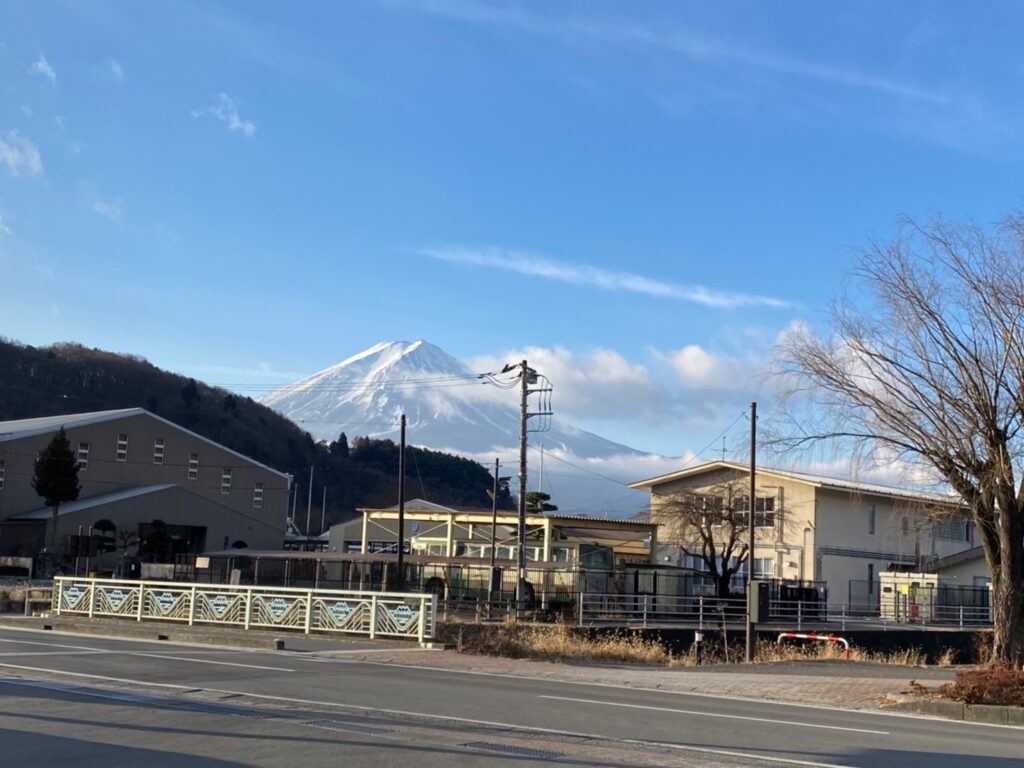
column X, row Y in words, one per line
column 926, row 365
column 712, row 526
column 126, row 539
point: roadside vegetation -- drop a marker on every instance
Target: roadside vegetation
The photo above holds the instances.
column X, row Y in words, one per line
column 564, row 643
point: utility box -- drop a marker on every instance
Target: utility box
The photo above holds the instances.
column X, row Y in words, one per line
column 758, row 601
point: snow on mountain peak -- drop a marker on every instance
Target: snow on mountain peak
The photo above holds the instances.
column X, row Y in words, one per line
column 444, row 402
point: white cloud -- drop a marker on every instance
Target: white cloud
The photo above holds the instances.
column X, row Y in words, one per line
column 5, row 227
column 599, row 383
column 19, row 155
column 698, row 368
column 116, row 70
column 607, row 280
column 110, row 209
column 42, row 68
column 226, row 110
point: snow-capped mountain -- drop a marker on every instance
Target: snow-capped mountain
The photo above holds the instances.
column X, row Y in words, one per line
column 449, row 408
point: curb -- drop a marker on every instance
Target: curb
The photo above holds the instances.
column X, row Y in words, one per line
column 159, row 632
column 954, row 710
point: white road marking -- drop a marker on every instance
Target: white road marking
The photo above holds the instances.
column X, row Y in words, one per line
column 108, row 651
column 716, row 714
column 448, row 718
column 203, row 661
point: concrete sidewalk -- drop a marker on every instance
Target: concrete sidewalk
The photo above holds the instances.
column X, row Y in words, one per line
column 847, row 684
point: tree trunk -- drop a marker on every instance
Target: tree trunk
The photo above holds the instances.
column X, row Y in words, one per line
column 1008, row 610
column 53, row 529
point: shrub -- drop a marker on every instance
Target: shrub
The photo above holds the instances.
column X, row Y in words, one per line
column 999, row 686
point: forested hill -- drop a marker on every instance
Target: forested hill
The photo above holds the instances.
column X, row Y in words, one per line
column 69, row 378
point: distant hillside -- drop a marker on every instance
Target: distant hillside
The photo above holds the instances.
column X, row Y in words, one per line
column 70, row 378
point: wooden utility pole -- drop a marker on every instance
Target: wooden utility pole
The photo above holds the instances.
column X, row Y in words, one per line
column 401, row 507
column 524, row 393
column 751, row 637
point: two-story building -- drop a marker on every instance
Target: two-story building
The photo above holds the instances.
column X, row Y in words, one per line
column 817, row 528
column 135, row 468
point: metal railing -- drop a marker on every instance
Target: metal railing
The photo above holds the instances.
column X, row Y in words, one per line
column 372, row 614
column 703, row 611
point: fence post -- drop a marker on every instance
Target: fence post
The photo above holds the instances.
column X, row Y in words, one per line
column 700, row 603
column 142, row 598
column 582, row 597
column 373, row 616
column 961, row 616
column 645, row 611
column 309, row 611
column 844, row 617
column 800, row 614
column 423, row 619
column 248, row 608
column 192, row 606
column 92, row 598
column 28, row 596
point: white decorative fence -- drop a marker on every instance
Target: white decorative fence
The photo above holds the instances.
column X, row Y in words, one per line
column 373, row 614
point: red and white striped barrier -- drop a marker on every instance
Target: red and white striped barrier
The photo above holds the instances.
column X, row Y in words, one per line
column 825, row 638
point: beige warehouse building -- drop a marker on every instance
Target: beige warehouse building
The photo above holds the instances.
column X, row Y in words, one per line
column 134, row 468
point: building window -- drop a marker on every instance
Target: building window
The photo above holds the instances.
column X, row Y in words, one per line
column 193, row 466
column 764, row 511
column 905, row 526
column 3, row 473
column 122, row 447
column 952, row 530
column 225, row 480
column 257, row 496
column 871, row 519
column 83, row 457
column 158, row 451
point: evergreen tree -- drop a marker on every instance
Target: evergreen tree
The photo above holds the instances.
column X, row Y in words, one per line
column 537, row 503
column 340, row 446
column 56, row 478
column 190, row 394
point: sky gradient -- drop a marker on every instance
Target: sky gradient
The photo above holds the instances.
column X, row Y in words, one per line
column 639, row 196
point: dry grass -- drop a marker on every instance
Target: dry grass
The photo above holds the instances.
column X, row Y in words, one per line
column 553, row 643
column 567, row 643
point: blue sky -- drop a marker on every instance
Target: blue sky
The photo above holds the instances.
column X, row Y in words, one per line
column 643, row 195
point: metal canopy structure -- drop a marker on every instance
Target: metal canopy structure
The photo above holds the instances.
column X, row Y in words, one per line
column 453, row 531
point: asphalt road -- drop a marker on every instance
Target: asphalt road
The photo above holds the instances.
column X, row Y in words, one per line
column 98, row 701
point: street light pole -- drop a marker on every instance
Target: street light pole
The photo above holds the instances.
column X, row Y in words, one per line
column 751, row 637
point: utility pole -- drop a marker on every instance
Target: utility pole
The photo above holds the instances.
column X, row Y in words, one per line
column 401, row 507
column 309, row 505
column 524, row 393
column 494, row 535
column 751, row 596
column 323, row 512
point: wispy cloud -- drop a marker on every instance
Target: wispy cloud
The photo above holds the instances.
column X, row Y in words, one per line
column 596, row 277
column 5, row 227
column 693, row 46
column 19, row 155
column 116, row 71
column 42, row 68
column 109, row 209
column 226, row 110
